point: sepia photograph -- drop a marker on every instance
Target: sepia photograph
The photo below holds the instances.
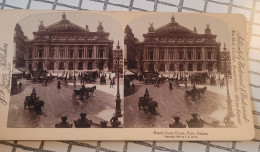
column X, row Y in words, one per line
column 178, row 72
column 67, row 72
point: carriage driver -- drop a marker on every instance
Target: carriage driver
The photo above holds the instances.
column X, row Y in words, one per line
column 33, row 94
column 146, row 94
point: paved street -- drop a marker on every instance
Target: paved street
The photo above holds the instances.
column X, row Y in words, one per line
column 172, row 103
column 59, row 103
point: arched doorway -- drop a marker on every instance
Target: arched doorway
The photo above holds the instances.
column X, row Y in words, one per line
column 171, row 67
column 90, row 65
column 71, row 66
column 180, row 67
column 162, row 68
column 80, row 66
column 61, row 66
column 40, row 66
column 199, row 67
column 141, row 68
column 210, row 67
column 151, row 67
column 101, row 65
column 190, row 67
column 51, row 66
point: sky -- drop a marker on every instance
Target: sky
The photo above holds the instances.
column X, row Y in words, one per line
column 140, row 25
column 30, row 24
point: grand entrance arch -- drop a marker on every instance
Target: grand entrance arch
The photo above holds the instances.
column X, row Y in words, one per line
column 151, row 67
column 40, row 66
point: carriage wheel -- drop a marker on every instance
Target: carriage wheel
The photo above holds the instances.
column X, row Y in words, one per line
column 139, row 105
column 24, row 105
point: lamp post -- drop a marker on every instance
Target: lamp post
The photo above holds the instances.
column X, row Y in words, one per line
column 229, row 101
column 118, row 100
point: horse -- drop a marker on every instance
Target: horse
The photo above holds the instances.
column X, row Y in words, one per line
column 91, row 90
column 77, row 93
column 152, row 107
column 38, row 106
column 202, row 91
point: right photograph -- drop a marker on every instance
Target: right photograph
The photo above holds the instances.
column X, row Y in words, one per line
column 177, row 72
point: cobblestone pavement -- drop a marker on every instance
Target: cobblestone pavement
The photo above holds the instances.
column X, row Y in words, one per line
column 59, row 102
column 172, row 103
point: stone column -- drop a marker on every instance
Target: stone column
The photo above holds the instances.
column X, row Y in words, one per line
column 34, row 52
column 203, row 53
column 194, row 54
column 94, row 52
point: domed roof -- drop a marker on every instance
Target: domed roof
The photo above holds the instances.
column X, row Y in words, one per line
column 64, row 26
column 173, row 28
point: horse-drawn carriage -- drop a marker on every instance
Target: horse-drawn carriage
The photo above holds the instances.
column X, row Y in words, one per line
column 103, row 80
column 147, row 103
column 89, row 76
column 83, row 93
column 33, row 103
column 195, row 94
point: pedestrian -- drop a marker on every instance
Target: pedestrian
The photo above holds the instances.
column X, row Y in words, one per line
column 114, row 80
column 185, row 83
column 58, row 85
column 133, row 87
column 20, row 85
column 111, row 83
column 170, row 85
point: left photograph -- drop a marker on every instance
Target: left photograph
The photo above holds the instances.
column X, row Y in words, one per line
column 67, row 72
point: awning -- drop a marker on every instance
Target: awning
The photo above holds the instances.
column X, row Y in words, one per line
column 17, row 71
column 128, row 72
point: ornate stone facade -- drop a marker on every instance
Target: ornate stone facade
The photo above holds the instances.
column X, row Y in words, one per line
column 173, row 47
column 65, row 46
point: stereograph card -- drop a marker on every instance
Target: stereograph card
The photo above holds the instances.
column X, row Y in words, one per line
column 89, row 75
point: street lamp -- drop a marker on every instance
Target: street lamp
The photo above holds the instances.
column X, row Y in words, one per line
column 118, row 100
column 229, row 101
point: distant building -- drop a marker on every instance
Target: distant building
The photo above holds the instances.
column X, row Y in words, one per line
column 19, row 48
column 174, row 47
column 130, row 51
column 225, row 61
column 65, row 46
column 118, row 52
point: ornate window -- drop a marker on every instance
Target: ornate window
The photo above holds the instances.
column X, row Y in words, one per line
column 171, row 67
column 101, row 52
column 150, row 53
column 80, row 66
column 141, row 56
column 71, row 52
column 209, row 55
column 52, row 52
column 51, row 66
column 81, row 51
column 210, row 67
column 90, row 64
column 71, row 66
column 30, row 54
column 161, row 54
column 171, row 55
column 180, row 67
column 62, row 52
column 61, row 66
column 198, row 55
column 199, row 67
column 190, row 55
column 151, row 67
column 40, row 66
column 40, row 52
column 162, row 68
column 190, row 67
